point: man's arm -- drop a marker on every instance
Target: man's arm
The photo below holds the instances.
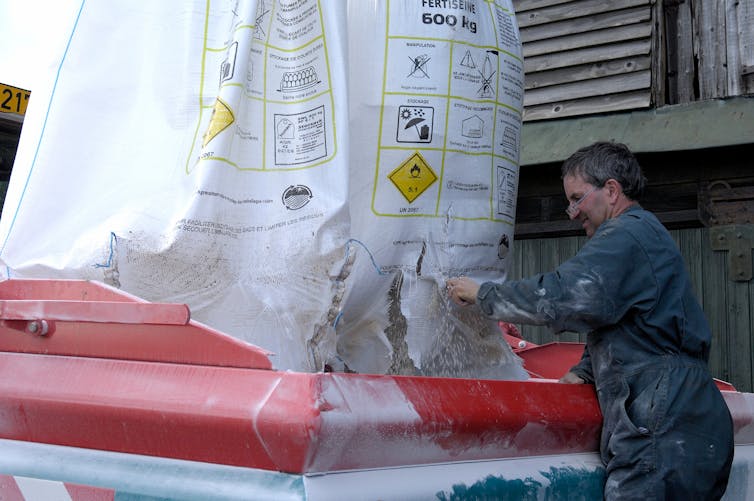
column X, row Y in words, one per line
column 581, row 372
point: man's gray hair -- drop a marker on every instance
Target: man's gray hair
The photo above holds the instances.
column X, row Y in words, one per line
column 607, row 160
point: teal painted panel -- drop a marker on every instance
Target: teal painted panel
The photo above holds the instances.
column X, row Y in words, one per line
column 564, row 483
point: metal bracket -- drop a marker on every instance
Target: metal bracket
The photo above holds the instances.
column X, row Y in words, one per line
column 738, row 240
column 723, row 204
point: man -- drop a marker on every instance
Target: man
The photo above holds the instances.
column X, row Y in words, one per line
column 667, row 432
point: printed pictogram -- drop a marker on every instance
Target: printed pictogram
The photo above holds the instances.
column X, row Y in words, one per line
column 295, row 197
column 228, row 66
column 415, row 124
column 413, row 177
column 293, row 81
column 419, row 66
column 472, row 127
column 261, row 14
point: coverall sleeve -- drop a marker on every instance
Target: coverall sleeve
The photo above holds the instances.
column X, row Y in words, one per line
column 609, row 277
column 583, row 369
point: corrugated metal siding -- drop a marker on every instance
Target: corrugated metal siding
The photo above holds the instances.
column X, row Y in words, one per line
column 729, row 305
column 585, row 56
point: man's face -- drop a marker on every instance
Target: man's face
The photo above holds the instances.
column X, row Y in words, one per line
column 587, row 203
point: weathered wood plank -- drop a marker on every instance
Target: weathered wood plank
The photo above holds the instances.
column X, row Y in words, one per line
column 549, row 228
column 587, row 39
column 734, row 78
column 746, row 32
column 740, row 46
column 659, row 65
column 524, row 5
column 680, row 53
column 707, row 287
column 738, row 312
column 711, row 50
column 567, row 248
column 590, row 23
column 530, row 251
column 600, row 104
column 589, row 88
column 587, row 55
column 713, row 299
column 749, row 288
column 572, row 10
column 587, row 71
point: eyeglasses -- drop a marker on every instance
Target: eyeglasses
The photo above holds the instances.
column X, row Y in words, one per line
column 573, row 207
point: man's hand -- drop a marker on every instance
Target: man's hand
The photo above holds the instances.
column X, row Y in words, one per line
column 462, row 290
column 571, row 378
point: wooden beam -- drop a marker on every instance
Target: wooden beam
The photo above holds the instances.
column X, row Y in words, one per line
column 587, row 39
column 583, row 24
column 587, row 55
column 600, row 104
column 524, row 5
column 692, row 126
column 680, row 53
column 587, row 71
column 709, row 29
column 589, row 88
column 658, row 56
column 739, row 15
column 572, row 10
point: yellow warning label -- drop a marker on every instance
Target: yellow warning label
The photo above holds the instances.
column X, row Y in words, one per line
column 222, row 117
column 413, row 177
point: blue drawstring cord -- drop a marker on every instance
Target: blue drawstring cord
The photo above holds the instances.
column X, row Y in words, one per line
column 109, row 262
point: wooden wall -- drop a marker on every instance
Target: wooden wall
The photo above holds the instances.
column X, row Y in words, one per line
column 729, row 305
column 595, row 56
column 585, row 56
column 709, row 49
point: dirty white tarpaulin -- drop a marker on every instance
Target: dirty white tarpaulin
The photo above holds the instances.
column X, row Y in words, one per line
column 198, row 152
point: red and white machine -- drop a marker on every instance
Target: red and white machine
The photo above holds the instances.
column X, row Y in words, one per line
column 106, row 396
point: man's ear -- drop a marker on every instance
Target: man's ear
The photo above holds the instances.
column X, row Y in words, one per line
column 614, row 189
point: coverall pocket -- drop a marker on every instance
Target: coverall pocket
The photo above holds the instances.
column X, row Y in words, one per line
column 625, row 443
column 647, row 400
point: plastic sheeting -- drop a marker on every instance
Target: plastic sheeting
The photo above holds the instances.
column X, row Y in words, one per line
column 303, row 174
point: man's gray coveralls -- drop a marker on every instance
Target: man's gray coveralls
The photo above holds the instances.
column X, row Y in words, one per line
column 667, row 432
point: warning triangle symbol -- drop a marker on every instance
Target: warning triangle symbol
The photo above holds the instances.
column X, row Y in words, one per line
column 222, row 117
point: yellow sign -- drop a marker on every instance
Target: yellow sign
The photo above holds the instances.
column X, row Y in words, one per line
column 222, row 117
column 413, row 177
column 13, row 99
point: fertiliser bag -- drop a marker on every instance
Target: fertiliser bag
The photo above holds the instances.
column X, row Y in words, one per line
column 435, row 126
column 191, row 152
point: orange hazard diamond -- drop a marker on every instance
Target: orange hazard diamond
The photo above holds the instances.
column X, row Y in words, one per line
column 413, row 177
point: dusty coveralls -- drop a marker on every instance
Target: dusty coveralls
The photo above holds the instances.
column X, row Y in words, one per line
column 667, row 432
